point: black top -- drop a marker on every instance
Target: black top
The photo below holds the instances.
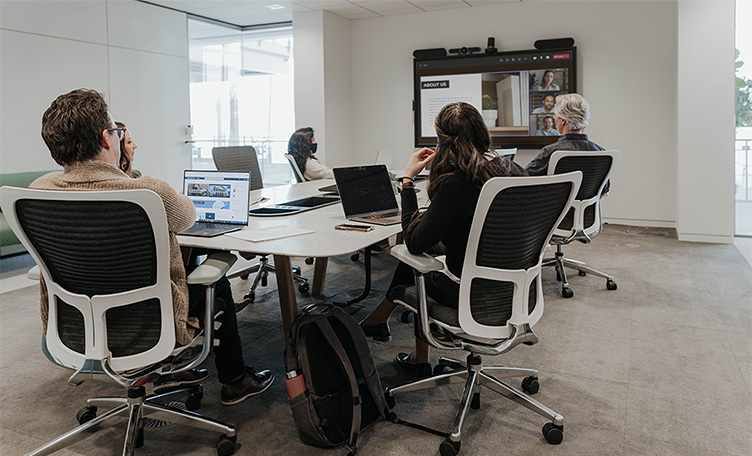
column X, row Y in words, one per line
column 447, row 219
column 571, row 141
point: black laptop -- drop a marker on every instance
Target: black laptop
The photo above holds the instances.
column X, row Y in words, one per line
column 221, row 199
column 367, row 194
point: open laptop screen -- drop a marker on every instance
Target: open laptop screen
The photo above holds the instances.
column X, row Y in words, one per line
column 365, row 190
column 219, row 196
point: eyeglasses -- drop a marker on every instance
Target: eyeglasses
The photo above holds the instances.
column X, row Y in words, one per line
column 120, row 131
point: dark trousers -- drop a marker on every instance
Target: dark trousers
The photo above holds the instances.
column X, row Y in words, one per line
column 228, row 356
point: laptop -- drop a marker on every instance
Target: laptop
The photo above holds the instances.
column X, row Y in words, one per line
column 383, row 157
column 221, row 200
column 367, row 194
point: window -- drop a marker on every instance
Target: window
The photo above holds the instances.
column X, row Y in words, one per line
column 241, row 93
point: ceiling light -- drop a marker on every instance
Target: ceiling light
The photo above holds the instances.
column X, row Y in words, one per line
column 274, row 7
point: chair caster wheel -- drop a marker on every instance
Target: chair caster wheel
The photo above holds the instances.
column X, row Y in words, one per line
column 567, row 292
column 309, row 260
column 86, row 414
column 355, row 256
column 304, row 287
column 449, row 448
column 194, row 401
column 244, row 276
column 226, row 446
column 582, row 273
column 440, row 369
column 407, row 316
column 296, row 270
column 554, row 434
column 610, row 285
column 251, row 296
column 475, row 402
column 530, row 385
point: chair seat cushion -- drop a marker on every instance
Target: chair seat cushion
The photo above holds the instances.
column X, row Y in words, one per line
column 408, row 295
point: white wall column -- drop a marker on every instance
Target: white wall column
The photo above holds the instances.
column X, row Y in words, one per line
column 322, row 82
column 705, row 136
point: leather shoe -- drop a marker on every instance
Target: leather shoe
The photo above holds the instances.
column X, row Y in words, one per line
column 421, row 369
column 380, row 331
column 252, row 384
column 180, row 379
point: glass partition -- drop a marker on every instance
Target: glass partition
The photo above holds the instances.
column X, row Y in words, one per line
column 241, row 93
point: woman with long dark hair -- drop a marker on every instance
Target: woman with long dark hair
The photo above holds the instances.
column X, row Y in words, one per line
column 127, row 151
column 302, row 146
column 461, row 164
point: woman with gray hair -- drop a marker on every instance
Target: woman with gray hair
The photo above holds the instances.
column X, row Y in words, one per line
column 571, row 115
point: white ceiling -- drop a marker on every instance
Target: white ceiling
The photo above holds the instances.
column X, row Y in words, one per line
column 244, row 13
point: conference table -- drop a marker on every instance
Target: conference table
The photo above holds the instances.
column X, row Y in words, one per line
column 324, row 242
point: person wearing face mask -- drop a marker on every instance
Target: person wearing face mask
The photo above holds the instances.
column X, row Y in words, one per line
column 127, row 150
column 302, row 146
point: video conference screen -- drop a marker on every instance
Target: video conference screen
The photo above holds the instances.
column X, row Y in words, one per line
column 515, row 92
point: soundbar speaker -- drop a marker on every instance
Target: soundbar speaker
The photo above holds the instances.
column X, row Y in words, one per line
column 433, row 53
column 556, row 43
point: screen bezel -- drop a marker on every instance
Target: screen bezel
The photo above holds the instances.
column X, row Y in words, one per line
column 475, row 63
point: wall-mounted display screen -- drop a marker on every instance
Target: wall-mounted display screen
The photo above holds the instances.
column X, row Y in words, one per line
column 515, row 92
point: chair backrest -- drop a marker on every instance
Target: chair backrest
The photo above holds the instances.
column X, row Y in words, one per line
column 295, row 170
column 514, row 219
column 239, row 158
column 507, row 153
column 583, row 221
column 104, row 257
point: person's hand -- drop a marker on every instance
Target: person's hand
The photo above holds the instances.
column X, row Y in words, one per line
column 418, row 161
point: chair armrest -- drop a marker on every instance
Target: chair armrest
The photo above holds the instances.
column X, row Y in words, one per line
column 422, row 262
column 33, row 273
column 213, row 269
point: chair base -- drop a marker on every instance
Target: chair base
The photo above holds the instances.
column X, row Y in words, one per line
column 263, row 269
column 473, row 374
column 560, row 263
column 135, row 408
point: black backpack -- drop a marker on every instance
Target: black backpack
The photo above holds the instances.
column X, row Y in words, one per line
column 340, row 393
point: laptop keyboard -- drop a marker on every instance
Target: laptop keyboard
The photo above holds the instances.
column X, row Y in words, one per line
column 382, row 215
column 210, row 225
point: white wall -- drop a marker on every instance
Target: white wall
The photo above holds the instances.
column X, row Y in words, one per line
column 706, row 121
column 626, row 69
column 134, row 53
column 322, row 82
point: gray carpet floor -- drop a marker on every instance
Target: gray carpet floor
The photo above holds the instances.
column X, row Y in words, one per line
column 661, row 366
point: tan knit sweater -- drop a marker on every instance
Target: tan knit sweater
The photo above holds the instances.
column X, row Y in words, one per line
column 99, row 175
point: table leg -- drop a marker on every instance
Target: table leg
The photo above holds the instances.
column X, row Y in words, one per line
column 288, row 303
column 319, row 274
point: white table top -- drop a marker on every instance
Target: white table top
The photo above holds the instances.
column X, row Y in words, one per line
column 324, row 242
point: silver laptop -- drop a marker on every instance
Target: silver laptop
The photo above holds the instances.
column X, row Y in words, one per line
column 367, row 194
column 221, row 200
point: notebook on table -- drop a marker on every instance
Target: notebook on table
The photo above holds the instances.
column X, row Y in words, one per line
column 367, row 194
column 221, row 201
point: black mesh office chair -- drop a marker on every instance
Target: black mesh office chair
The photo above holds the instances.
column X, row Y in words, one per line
column 244, row 158
column 583, row 221
column 104, row 257
column 500, row 297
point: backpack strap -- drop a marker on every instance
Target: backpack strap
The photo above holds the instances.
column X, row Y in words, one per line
column 331, row 337
column 365, row 358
